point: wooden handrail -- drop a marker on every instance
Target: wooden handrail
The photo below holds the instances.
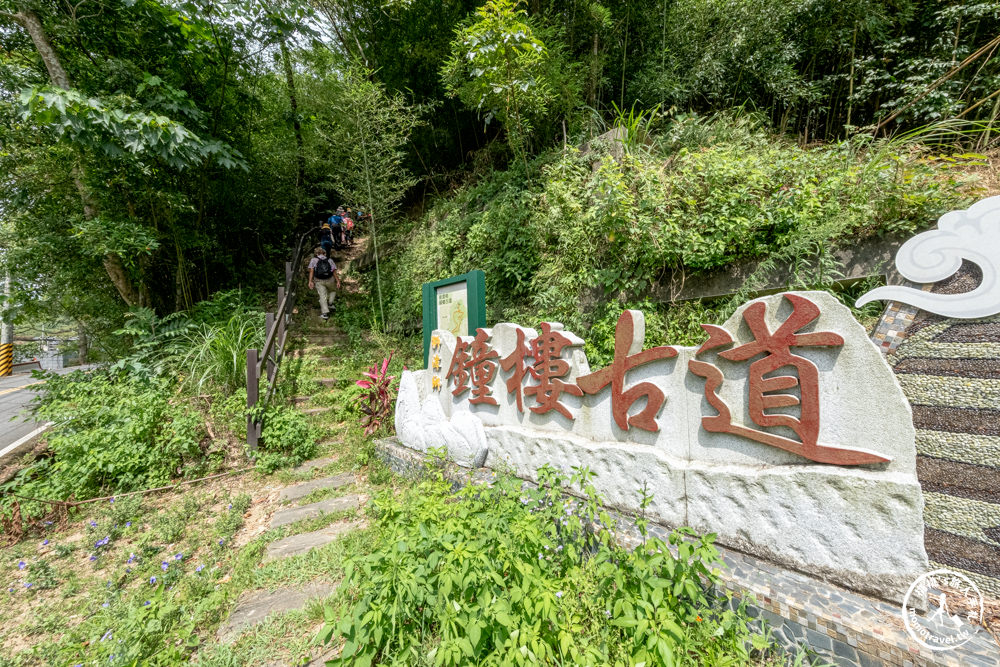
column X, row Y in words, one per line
column 267, row 362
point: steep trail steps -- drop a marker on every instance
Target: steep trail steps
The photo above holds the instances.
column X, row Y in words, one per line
column 293, row 518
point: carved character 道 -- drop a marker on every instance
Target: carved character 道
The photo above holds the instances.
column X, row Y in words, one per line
column 776, row 347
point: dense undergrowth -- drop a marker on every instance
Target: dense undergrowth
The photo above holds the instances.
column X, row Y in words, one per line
column 584, row 234
column 174, row 408
column 497, row 574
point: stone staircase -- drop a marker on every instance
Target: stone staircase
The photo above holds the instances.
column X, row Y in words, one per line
column 314, row 339
column 255, row 607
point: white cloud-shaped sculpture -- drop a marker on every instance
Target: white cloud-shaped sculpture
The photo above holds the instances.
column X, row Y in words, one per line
column 972, row 234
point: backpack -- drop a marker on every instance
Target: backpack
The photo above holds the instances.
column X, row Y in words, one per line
column 348, row 223
column 325, row 235
column 324, row 269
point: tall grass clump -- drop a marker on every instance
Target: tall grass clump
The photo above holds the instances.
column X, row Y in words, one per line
column 215, row 354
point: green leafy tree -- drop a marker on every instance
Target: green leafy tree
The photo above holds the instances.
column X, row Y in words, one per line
column 498, row 67
column 361, row 132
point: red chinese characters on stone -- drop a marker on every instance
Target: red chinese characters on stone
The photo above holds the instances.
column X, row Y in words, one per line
column 776, row 347
column 548, row 368
column 515, row 362
column 630, row 334
column 458, row 369
column 483, row 368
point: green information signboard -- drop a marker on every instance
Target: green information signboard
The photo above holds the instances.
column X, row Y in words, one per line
column 456, row 304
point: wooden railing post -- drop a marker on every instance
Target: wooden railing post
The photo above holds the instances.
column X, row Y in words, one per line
column 268, row 325
column 252, row 395
column 279, row 340
column 288, row 274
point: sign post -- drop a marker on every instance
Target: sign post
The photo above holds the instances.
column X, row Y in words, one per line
column 456, row 304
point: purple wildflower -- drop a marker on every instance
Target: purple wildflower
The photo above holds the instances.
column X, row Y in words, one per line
column 28, row 585
column 146, row 603
column 93, row 524
column 152, row 580
column 131, row 557
column 178, row 556
column 106, row 635
column 112, row 499
column 21, row 565
column 93, row 557
column 164, row 565
column 101, row 543
column 128, row 524
column 105, row 605
column 127, row 570
column 230, row 506
column 199, row 568
column 559, row 594
column 45, row 542
column 221, row 542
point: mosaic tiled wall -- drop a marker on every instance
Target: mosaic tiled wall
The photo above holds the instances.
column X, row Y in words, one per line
column 950, row 371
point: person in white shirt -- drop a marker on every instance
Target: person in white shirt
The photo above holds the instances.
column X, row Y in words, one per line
column 323, row 277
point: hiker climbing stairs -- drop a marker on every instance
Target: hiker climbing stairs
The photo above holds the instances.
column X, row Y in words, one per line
column 322, row 501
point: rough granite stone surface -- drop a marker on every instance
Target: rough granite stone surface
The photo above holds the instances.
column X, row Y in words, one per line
column 305, row 488
column 309, row 466
column 258, row 606
column 313, row 510
column 304, row 542
column 860, row 526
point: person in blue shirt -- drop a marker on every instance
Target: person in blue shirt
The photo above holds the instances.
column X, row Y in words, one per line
column 336, row 226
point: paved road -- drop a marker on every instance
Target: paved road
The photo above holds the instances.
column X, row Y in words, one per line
column 15, row 394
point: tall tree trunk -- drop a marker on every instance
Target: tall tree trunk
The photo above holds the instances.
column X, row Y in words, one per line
column 82, row 344
column 112, row 261
column 300, row 158
column 594, row 73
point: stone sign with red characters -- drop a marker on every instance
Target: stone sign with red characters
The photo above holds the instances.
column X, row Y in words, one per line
column 785, row 433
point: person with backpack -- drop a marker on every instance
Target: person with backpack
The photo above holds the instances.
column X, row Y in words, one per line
column 336, row 225
column 348, row 229
column 326, row 237
column 323, row 277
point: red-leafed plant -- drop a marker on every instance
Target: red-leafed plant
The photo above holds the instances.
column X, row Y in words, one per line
column 376, row 403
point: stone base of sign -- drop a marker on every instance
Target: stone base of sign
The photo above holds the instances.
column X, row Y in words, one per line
column 842, row 627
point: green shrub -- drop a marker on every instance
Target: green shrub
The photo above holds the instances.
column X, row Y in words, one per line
column 215, row 355
column 110, row 435
column 497, row 575
column 286, row 439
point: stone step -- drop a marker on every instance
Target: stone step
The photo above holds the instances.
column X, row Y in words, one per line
column 256, row 607
column 313, row 510
column 304, row 542
column 305, row 488
column 315, row 463
column 315, row 411
column 327, row 382
column 299, row 400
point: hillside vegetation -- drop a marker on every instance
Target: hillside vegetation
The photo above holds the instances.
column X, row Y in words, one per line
column 584, row 233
